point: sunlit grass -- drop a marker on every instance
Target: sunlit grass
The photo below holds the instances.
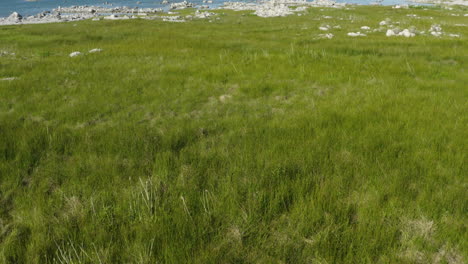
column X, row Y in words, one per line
column 241, row 140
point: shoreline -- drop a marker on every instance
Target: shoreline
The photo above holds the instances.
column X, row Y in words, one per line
column 272, row 8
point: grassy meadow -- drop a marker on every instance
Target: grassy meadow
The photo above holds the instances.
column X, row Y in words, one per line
column 240, row 140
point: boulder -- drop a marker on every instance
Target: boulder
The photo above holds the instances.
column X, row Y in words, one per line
column 14, row 17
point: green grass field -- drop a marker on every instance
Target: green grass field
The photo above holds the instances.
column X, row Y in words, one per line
column 241, row 140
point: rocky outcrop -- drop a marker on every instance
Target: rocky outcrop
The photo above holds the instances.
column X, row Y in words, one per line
column 14, row 17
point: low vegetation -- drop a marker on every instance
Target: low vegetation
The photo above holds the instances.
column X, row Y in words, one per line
column 240, row 140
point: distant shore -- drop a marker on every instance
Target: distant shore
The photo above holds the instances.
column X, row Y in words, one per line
column 271, row 8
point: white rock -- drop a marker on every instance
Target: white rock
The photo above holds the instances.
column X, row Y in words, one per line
column 300, row 9
column 327, row 36
column 276, row 8
column 14, row 17
column 383, row 23
column 436, row 34
column 74, row 54
column 223, row 98
column 95, row 50
column 177, row 19
column 365, row 28
column 356, row 34
column 8, row 79
column 202, row 15
column 390, row 33
column 116, row 17
column 454, row 35
column 181, row 5
column 435, row 28
column 324, row 28
column 406, row 33
column 6, row 53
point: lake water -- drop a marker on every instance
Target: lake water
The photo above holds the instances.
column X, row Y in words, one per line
column 26, row 8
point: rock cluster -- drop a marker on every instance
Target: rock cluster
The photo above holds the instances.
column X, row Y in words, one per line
column 45, row 17
column 435, row 30
column 173, row 18
column 276, row 8
column 85, row 9
column 202, row 15
column 182, row 5
column 4, row 53
column 356, row 34
column 396, row 32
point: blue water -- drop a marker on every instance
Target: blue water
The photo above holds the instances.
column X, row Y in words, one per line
column 27, row 8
